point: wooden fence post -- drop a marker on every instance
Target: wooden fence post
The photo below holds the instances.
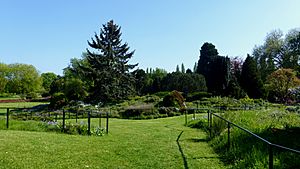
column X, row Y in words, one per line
column 194, row 114
column 210, row 125
column 89, row 122
column 7, row 117
column 270, row 156
column 185, row 112
column 100, row 125
column 107, row 122
column 64, row 118
column 76, row 115
column 208, row 119
column 228, row 126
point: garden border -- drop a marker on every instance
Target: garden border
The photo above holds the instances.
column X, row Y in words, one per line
column 271, row 145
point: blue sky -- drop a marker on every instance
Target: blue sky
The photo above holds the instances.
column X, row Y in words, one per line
column 164, row 33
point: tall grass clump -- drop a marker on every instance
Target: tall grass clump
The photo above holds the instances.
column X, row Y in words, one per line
column 245, row 151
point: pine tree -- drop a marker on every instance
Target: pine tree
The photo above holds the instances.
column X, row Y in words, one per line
column 109, row 68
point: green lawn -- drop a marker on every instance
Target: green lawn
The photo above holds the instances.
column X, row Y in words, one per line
column 130, row 144
column 20, row 104
column 3, row 106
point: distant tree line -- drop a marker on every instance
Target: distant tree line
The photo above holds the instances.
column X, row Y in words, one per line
column 104, row 73
column 21, row 79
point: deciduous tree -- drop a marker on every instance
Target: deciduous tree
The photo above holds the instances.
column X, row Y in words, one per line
column 280, row 81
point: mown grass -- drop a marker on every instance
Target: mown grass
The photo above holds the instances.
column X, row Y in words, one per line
column 4, row 106
column 20, row 104
column 129, row 144
column 274, row 124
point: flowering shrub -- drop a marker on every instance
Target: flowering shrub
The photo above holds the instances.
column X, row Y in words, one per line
column 70, row 128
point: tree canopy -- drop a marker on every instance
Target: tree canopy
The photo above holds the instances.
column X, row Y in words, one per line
column 278, row 52
column 109, row 68
column 250, row 78
column 279, row 82
column 215, row 68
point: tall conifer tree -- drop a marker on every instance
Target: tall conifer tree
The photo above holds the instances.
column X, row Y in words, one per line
column 250, row 78
column 109, row 67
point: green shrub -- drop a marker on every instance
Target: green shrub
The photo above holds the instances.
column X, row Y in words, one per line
column 151, row 99
column 139, row 112
column 197, row 96
column 58, row 100
column 168, row 101
column 199, row 124
column 162, row 94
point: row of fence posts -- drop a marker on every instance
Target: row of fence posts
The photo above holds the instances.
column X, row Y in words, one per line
column 64, row 119
column 271, row 146
column 89, row 121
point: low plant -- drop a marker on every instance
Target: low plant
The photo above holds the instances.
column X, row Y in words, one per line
column 275, row 125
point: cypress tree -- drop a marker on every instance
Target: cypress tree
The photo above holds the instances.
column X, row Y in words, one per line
column 250, row 78
column 215, row 69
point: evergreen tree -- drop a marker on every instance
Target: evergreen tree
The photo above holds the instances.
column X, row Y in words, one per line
column 195, row 67
column 215, row 68
column 109, row 68
column 189, row 71
column 177, row 68
column 182, row 68
column 250, row 78
column 207, row 54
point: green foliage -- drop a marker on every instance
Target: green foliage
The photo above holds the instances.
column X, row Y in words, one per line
column 227, row 103
column 154, row 80
column 168, row 111
column 74, row 89
column 58, row 100
column 141, row 81
column 184, row 82
column 162, row 94
column 235, row 90
column 214, row 68
column 77, row 68
column 3, row 74
column 169, row 101
column 20, row 79
column 182, row 68
column 275, row 125
column 197, row 96
column 279, row 83
column 109, row 68
column 139, row 113
column 47, row 79
column 199, row 124
column 177, row 69
column 278, row 52
column 250, row 78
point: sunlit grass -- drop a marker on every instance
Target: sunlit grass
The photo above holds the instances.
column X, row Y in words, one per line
column 129, row 144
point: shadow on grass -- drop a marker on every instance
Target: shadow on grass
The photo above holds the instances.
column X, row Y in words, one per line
column 197, row 140
column 181, row 151
column 206, row 157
